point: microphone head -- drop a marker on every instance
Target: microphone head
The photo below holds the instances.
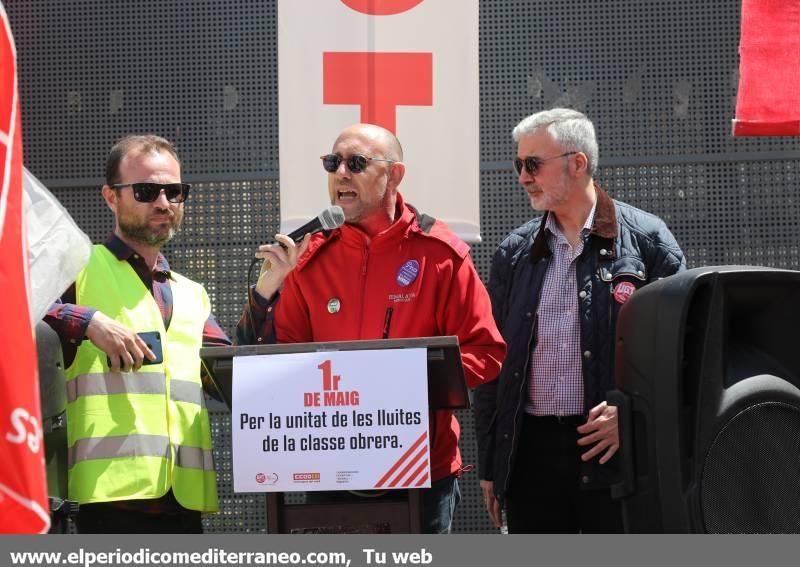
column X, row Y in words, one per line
column 332, row 217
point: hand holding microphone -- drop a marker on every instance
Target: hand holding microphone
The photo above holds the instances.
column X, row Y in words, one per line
column 281, row 258
column 330, row 218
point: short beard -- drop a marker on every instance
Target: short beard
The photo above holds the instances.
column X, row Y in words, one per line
column 145, row 235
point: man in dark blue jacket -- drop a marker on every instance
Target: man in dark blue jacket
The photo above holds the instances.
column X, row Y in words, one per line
column 546, row 436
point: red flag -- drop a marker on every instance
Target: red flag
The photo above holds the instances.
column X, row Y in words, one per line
column 23, row 488
column 768, row 102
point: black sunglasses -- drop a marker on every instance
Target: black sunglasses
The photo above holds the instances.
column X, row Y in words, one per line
column 355, row 163
column 533, row 163
column 149, row 192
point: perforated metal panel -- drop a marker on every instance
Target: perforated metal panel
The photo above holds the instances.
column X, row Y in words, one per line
column 471, row 514
column 201, row 73
column 658, row 77
column 238, row 513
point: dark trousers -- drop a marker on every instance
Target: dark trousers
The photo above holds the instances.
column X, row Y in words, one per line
column 544, row 495
column 106, row 518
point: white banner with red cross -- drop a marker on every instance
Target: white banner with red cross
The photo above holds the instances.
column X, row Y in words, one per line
column 410, row 66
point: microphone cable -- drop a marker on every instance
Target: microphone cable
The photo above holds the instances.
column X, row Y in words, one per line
column 250, row 292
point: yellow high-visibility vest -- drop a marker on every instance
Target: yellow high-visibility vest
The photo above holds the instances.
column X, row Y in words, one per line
column 135, row 435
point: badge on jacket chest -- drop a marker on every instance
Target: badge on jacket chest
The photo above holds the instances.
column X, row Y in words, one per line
column 622, row 291
column 407, row 273
column 334, row 305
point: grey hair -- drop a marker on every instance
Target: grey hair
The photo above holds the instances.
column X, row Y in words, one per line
column 569, row 128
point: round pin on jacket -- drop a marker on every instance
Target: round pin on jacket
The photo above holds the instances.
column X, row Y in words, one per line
column 334, row 305
column 407, row 273
column 623, row 291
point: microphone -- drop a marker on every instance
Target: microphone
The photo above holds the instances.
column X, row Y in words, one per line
column 330, row 218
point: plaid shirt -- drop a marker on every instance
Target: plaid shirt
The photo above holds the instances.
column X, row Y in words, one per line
column 70, row 322
column 556, row 372
column 257, row 324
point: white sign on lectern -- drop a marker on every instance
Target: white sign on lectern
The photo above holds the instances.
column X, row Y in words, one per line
column 354, row 420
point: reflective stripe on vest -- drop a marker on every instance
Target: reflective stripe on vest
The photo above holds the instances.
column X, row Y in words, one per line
column 116, row 383
column 115, row 447
column 134, row 383
column 139, row 446
column 194, row 458
column 189, row 392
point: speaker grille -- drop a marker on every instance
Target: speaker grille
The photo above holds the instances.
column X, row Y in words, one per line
column 751, row 476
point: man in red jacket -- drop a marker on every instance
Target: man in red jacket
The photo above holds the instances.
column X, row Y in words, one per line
column 339, row 286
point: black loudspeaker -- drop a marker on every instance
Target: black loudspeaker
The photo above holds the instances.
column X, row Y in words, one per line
column 708, row 378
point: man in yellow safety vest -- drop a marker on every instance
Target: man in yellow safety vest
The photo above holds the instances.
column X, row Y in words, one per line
column 137, row 425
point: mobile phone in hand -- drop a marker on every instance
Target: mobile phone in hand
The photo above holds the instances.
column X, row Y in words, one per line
column 153, row 341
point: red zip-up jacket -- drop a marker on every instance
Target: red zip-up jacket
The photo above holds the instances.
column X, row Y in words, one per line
column 429, row 282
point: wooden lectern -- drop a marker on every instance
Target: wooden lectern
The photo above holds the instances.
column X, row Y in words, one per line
column 392, row 511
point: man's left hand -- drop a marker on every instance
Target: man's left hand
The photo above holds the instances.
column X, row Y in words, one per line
column 601, row 432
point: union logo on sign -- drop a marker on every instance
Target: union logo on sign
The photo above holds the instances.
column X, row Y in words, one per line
column 306, row 477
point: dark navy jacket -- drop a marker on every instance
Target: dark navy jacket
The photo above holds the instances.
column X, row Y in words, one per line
column 625, row 245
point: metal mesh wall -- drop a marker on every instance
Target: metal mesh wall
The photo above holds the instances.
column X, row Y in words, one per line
column 658, row 77
column 201, row 73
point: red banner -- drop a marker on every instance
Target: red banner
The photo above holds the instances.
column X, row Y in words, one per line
column 768, row 103
column 23, row 489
